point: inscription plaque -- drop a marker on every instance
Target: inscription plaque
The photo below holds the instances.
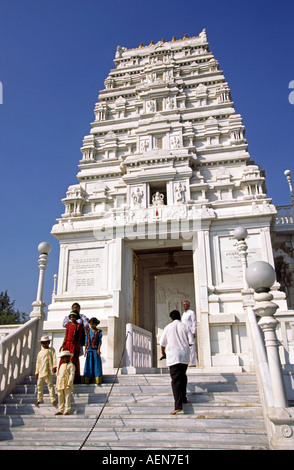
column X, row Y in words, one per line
column 231, row 268
column 85, row 271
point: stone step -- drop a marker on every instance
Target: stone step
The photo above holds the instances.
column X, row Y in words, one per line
column 131, row 427
column 131, row 447
column 137, row 407
column 152, row 389
column 224, row 413
column 165, row 377
column 137, row 438
column 130, row 385
column 146, row 398
column 163, row 422
column 121, row 433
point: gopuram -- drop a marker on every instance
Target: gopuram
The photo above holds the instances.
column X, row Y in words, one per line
column 164, row 181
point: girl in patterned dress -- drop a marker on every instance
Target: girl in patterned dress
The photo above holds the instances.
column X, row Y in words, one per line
column 93, row 364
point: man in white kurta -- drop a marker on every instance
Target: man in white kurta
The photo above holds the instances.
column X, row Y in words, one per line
column 189, row 319
column 175, row 344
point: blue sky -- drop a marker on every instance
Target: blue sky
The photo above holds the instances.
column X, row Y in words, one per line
column 54, row 58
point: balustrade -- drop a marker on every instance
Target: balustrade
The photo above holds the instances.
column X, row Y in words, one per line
column 138, row 348
column 285, row 215
column 18, row 350
column 16, row 358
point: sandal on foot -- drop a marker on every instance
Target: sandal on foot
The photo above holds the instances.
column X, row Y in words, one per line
column 176, row 411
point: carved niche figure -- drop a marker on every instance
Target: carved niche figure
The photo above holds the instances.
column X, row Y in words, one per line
column 180, row 193
column 150, row 106
column 150, row 77
column 170, row 104
column 175, row 142
column 158, row 199
column 137, row 197
column 144, row 146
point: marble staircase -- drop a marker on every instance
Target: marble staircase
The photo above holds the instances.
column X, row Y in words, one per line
column 224, row 413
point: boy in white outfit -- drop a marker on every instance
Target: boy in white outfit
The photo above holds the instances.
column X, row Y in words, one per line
column 45, row 370
column 64, row 383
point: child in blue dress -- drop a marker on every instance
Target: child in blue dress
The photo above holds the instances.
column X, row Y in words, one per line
column 93, row 365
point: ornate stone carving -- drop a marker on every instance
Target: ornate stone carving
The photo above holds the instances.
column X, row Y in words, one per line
column 180, row 193
column 286, row 431
column 74, row 201
column 137, row 197
column 158, row 199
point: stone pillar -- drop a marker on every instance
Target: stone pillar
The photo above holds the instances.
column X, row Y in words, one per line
column 240, row 233
column 201, row 296
column 38, row 305
column 265, row 309
column 261, row 276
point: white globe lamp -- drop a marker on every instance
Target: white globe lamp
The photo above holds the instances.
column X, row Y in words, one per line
column 260, row 276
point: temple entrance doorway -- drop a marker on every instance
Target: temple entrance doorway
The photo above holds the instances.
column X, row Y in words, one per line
column 170, row 292
column 163, row 279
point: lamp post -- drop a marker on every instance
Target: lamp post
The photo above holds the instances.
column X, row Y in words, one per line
column 287, row 173
column 240, row 233
column 261, row 276
column 38, row 305
column 44, row 249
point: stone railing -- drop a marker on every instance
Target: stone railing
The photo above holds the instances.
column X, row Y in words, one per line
column 258, row 279
column 7, row 329
column 138, row 349
column 279, row 420
column 19, row 348
column 16, row 358
column 285, row 215
column 285, row 336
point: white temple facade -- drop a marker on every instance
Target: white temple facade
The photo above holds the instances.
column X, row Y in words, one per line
column 164, row 180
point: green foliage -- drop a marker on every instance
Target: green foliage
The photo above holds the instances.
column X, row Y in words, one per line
column 8, row 314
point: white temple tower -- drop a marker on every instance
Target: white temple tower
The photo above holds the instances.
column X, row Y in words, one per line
column 165, row 178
